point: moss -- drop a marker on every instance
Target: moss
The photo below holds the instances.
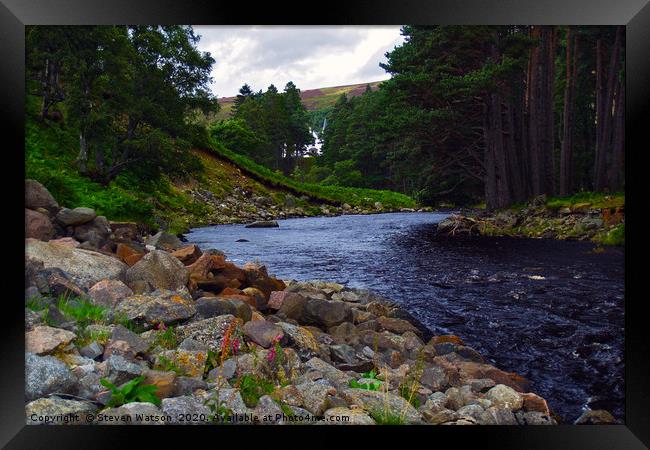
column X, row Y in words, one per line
column 615, row 236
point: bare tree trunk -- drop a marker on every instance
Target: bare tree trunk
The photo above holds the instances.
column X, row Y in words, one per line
column 82, row 158
column 618, row 155
column 547, row 97
column 606, row 139
column 534, row 116
column 569, row 107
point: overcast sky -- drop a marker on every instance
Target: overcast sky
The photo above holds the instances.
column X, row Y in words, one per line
column 310, row 56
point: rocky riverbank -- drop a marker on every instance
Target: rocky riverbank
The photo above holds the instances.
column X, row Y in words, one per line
column 537, row 219
column 123, row 328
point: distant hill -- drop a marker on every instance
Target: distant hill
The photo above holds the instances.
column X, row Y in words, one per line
column 313, row 99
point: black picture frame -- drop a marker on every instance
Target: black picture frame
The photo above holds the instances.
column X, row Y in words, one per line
column 14, row 14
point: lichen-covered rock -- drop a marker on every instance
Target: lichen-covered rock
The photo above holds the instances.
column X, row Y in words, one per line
column 382, row 403
column 58, row 411
column 45, row 375
column 187, row 255
column 207, row 307
column 43, row 339
column 503, row 396
column 337, row 377
column 263, row 333
column 207, row 331
column 595, row 417
column 164, row 241
column 109, row 293
column 120, row 370
column 84, row 267
column 186, row 410
column 159, row 270
column 166, row 307
column 191, row 362
column 76, row 216
column 314, row 395
column 136, row 413
column 346, row 416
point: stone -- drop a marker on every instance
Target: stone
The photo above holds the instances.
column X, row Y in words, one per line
column 166, row 307
column 263, row 333
column 535, row 403
column 44, row 339
column 188, row 385
column 163, row 380
column 76, row 216
column 473, row 370
column 84, row 267
column 136, row 413
column 257, row 276
column 191, row 362
column 164, row 241
column 207, row 331
column 160, row 270
column 315, row 396
column 120, row 370
column 225, row 371
column 187, row 255
column 96, row 231
column 65, row 241
column 46, row 375
column 59, row 284
column 503, row 396
column 301, row 339
column 346, row 296
column 109, row 293
column 58, row 411
column 268, row 411
column 123, row 251
column 136, row 343
column 263, row 224
column 214, row 306
column 595, row 417
column 38, row 225
column 435, row 378
column 397, row 326
column 337, row 377
column 343, row 353
column 186, row 410
column 534, row 418
column 481, row 384
column 93, row 350
column 258, row 296
column 132, row 260
column 326, row 313
column 346, row 416
column 382, row 402
column 37, row 196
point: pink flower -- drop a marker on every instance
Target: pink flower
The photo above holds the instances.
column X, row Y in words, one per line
column 271, row 355
column 235, row 346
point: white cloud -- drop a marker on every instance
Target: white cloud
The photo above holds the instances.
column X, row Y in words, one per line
column 310, row 56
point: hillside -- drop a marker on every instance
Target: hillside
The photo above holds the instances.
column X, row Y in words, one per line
column 313, row 99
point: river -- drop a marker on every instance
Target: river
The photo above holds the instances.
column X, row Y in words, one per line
column 551, row 311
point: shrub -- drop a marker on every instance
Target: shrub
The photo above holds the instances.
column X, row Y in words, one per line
column 131, row 392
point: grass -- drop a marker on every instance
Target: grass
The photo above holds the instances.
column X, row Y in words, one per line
column 320, row 193
column 596, row 200
column 615, row 236
column 252, row 388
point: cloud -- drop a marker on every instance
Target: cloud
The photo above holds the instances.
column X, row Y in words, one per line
column 310, row 56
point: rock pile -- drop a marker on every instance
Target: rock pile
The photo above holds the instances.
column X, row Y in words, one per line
column 215, row 342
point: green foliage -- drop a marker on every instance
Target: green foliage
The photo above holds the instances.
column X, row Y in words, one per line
column 252, row 387
column 616, row 236
column 373, row 385
column 597, row 200
column 130, row 392
column 81, row 311
column 165, row 364
column 328, row 194
column 165, row 337
column 386, row 417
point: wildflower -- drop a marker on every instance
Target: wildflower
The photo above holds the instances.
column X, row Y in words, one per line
column 235, row 346
column 271, row 355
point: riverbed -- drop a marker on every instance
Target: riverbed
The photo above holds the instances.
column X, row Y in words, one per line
column 552, row 311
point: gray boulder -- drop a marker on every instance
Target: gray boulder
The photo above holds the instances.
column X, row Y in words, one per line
column 84, row 267
column 263, row 224
column 164, row 241
column 45, row 375
column 168, row 307
column 76, row 216
column 159, row 270
column 37, row 196
column 58, row 411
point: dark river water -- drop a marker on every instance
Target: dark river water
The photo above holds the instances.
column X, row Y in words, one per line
column 551, row 311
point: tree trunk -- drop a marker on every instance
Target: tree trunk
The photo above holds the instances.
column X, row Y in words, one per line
column 82, row 158
column 534, row 116
column 617, row 173
column 605, row 149
column 569, row 106
column 547, row 97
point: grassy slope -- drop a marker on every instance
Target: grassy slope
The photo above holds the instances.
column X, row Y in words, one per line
column 327, row 194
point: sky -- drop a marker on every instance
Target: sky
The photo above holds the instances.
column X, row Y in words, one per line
column 310, row 56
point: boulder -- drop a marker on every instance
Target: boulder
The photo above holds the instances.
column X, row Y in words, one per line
column 257, row 276
column 135, row 342
column 58, row 411
column 45, row 375
column 262, row 332
column 109, row 293
column 163, row 380
column 120, row 370
column 315, row 396
column 263, row 224
column 186, row 410
column 66, row 242
column 346, row 416
column 503, row 396
column 136, row 413
column 37, row 196
column 84, row 267
column 214, row 306
column 325, row 313
column 191, row 362
column 38, row 225
column 207, row 331
column 168, row 307
column 595, row 417
column 382, row 404
column 159, row 270
column 164, row 241
column 43, row 339
column 397, row 326
column 96, row 232
column 187, row 255
column 76, row 216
